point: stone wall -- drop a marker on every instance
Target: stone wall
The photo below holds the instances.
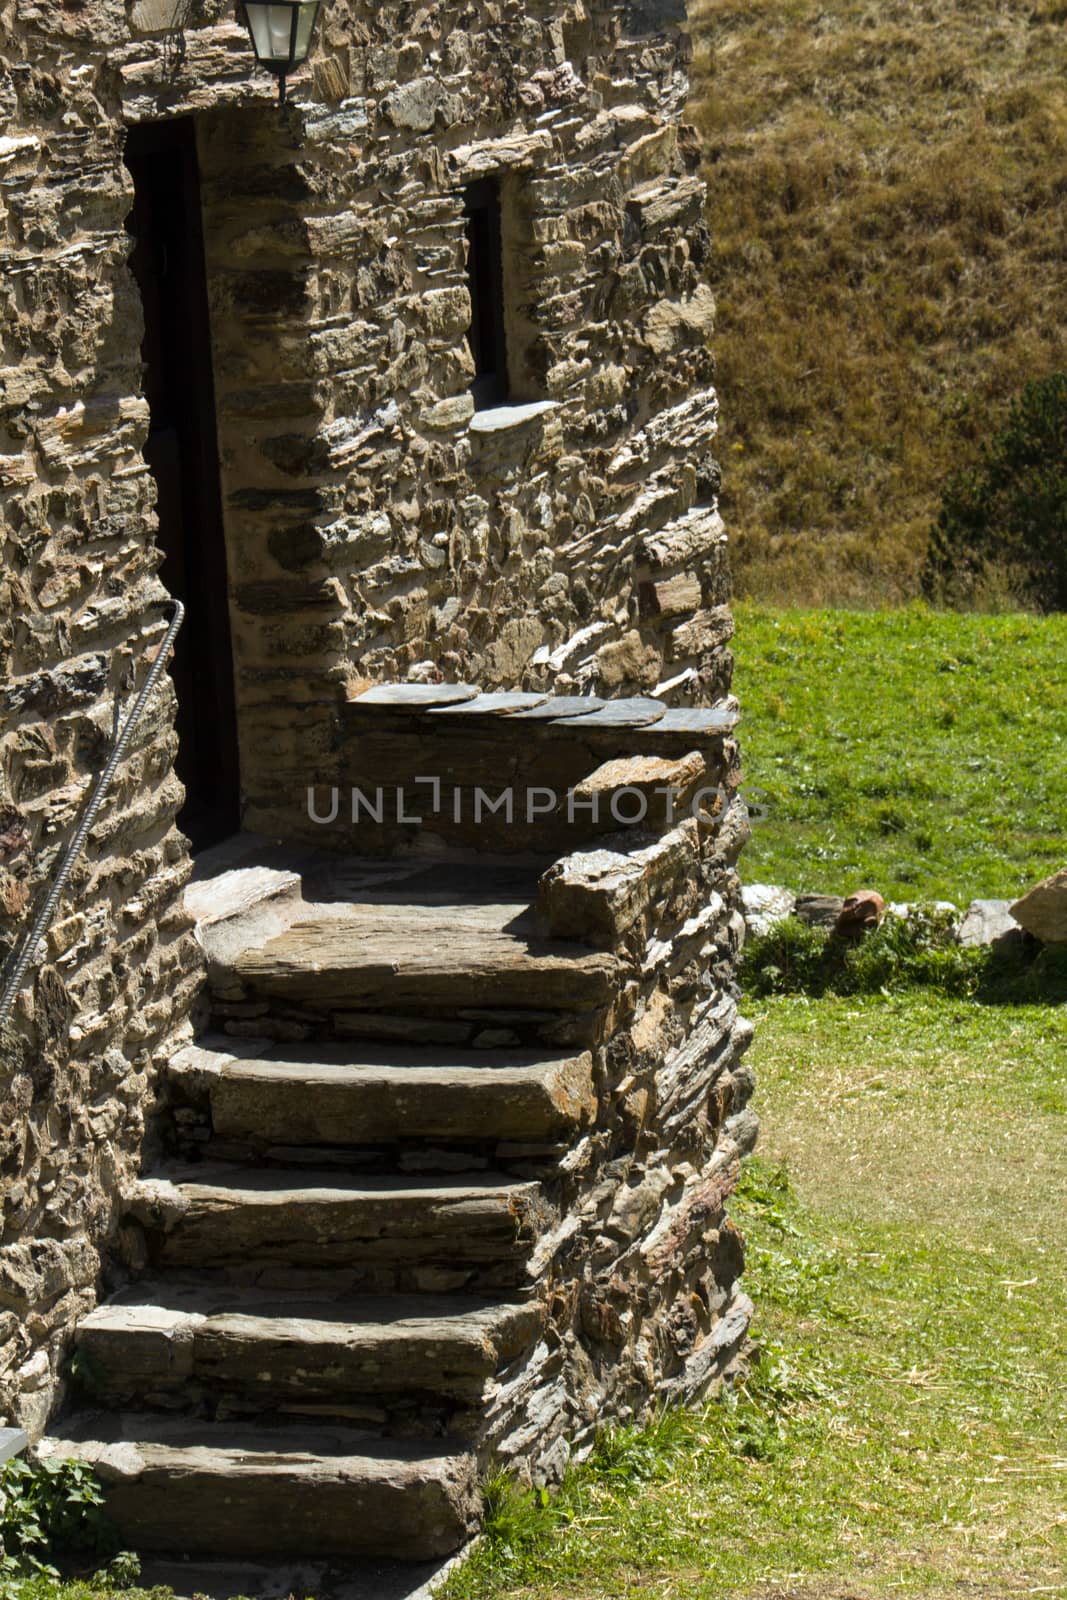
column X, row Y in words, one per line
column 374, row 528
column 374, row 532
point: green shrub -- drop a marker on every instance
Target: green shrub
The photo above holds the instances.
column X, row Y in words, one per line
column 917, row 952
column 1009, row 513
column 795, row 959
column 513, row 1516
column 49, row 1510
column 1021, row 976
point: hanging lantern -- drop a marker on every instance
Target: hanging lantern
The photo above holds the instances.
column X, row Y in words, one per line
column 281, row 34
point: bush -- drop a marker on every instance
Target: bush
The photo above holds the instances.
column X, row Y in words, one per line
column 48, row 1511
column 1008, row 514
column 795, row 959
column 919, row 952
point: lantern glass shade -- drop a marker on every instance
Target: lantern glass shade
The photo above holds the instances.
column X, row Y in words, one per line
column 281, row 31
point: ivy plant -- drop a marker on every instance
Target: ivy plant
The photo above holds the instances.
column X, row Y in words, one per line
column 48, row 1509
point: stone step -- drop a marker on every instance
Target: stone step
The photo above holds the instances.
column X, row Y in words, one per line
column 239, row 1490
column 359, row 1094
column 428, row 956
column 221, row 1215
column 184, row 1335
column 366, row 1578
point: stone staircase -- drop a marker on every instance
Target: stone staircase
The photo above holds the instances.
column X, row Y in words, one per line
column 332, row 1287
column 356, row 1270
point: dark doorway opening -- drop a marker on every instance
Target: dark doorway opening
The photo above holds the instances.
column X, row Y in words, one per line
column 182, row 451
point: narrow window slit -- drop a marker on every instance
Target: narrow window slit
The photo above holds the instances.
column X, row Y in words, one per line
column 485, row 277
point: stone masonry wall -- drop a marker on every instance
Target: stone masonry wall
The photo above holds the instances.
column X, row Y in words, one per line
column 645, row 1302
column 374, row 528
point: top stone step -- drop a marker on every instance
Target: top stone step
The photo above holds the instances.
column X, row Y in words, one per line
column 461, row 703
column 494, row 772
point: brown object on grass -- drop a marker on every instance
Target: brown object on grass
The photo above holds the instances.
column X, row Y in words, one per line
column 861, row 912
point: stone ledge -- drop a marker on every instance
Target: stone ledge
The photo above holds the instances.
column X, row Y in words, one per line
column 695, row 721
column 502, row 419
column 495, row 704
column 13, row 1441
column 414, row 696
column 488, row 156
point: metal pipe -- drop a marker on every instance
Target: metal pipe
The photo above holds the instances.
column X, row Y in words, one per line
column 74, row 849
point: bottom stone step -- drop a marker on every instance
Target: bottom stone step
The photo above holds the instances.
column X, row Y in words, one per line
column 370, row 1578
column 222, row 1491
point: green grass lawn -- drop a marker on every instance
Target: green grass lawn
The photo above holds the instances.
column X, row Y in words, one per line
column 906, row 1432
column 920, row 753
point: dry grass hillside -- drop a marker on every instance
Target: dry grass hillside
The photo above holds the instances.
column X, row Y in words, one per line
column 888, row 197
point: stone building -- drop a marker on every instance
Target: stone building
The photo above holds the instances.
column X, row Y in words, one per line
column 342, row 1153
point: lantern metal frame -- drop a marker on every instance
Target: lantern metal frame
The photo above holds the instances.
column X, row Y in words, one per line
column 281, row 67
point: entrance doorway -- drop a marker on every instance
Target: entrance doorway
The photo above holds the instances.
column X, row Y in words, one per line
column 182, row 451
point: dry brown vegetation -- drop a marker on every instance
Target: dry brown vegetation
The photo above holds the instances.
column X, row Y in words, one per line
column 888, row 198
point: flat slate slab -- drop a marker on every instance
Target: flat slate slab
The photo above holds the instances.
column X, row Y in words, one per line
column 385, row 956
column 163, row 1333
column 559, row 707
column 496, row 704
column 463, row 700
column 498, row 419
column 696, row 720
column 213, row 1215
column 414, row 696
column 359, row 1094
column 638, row 712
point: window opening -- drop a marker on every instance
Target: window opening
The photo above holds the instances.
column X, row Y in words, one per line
column 485, row 277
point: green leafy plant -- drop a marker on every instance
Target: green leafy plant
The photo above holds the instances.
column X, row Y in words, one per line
column 48, row 1510
column 121, row 1572
column 515, row 1517
column 1009, row 511
column 919, row 950
column 916, row 952
column 627, row 1455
